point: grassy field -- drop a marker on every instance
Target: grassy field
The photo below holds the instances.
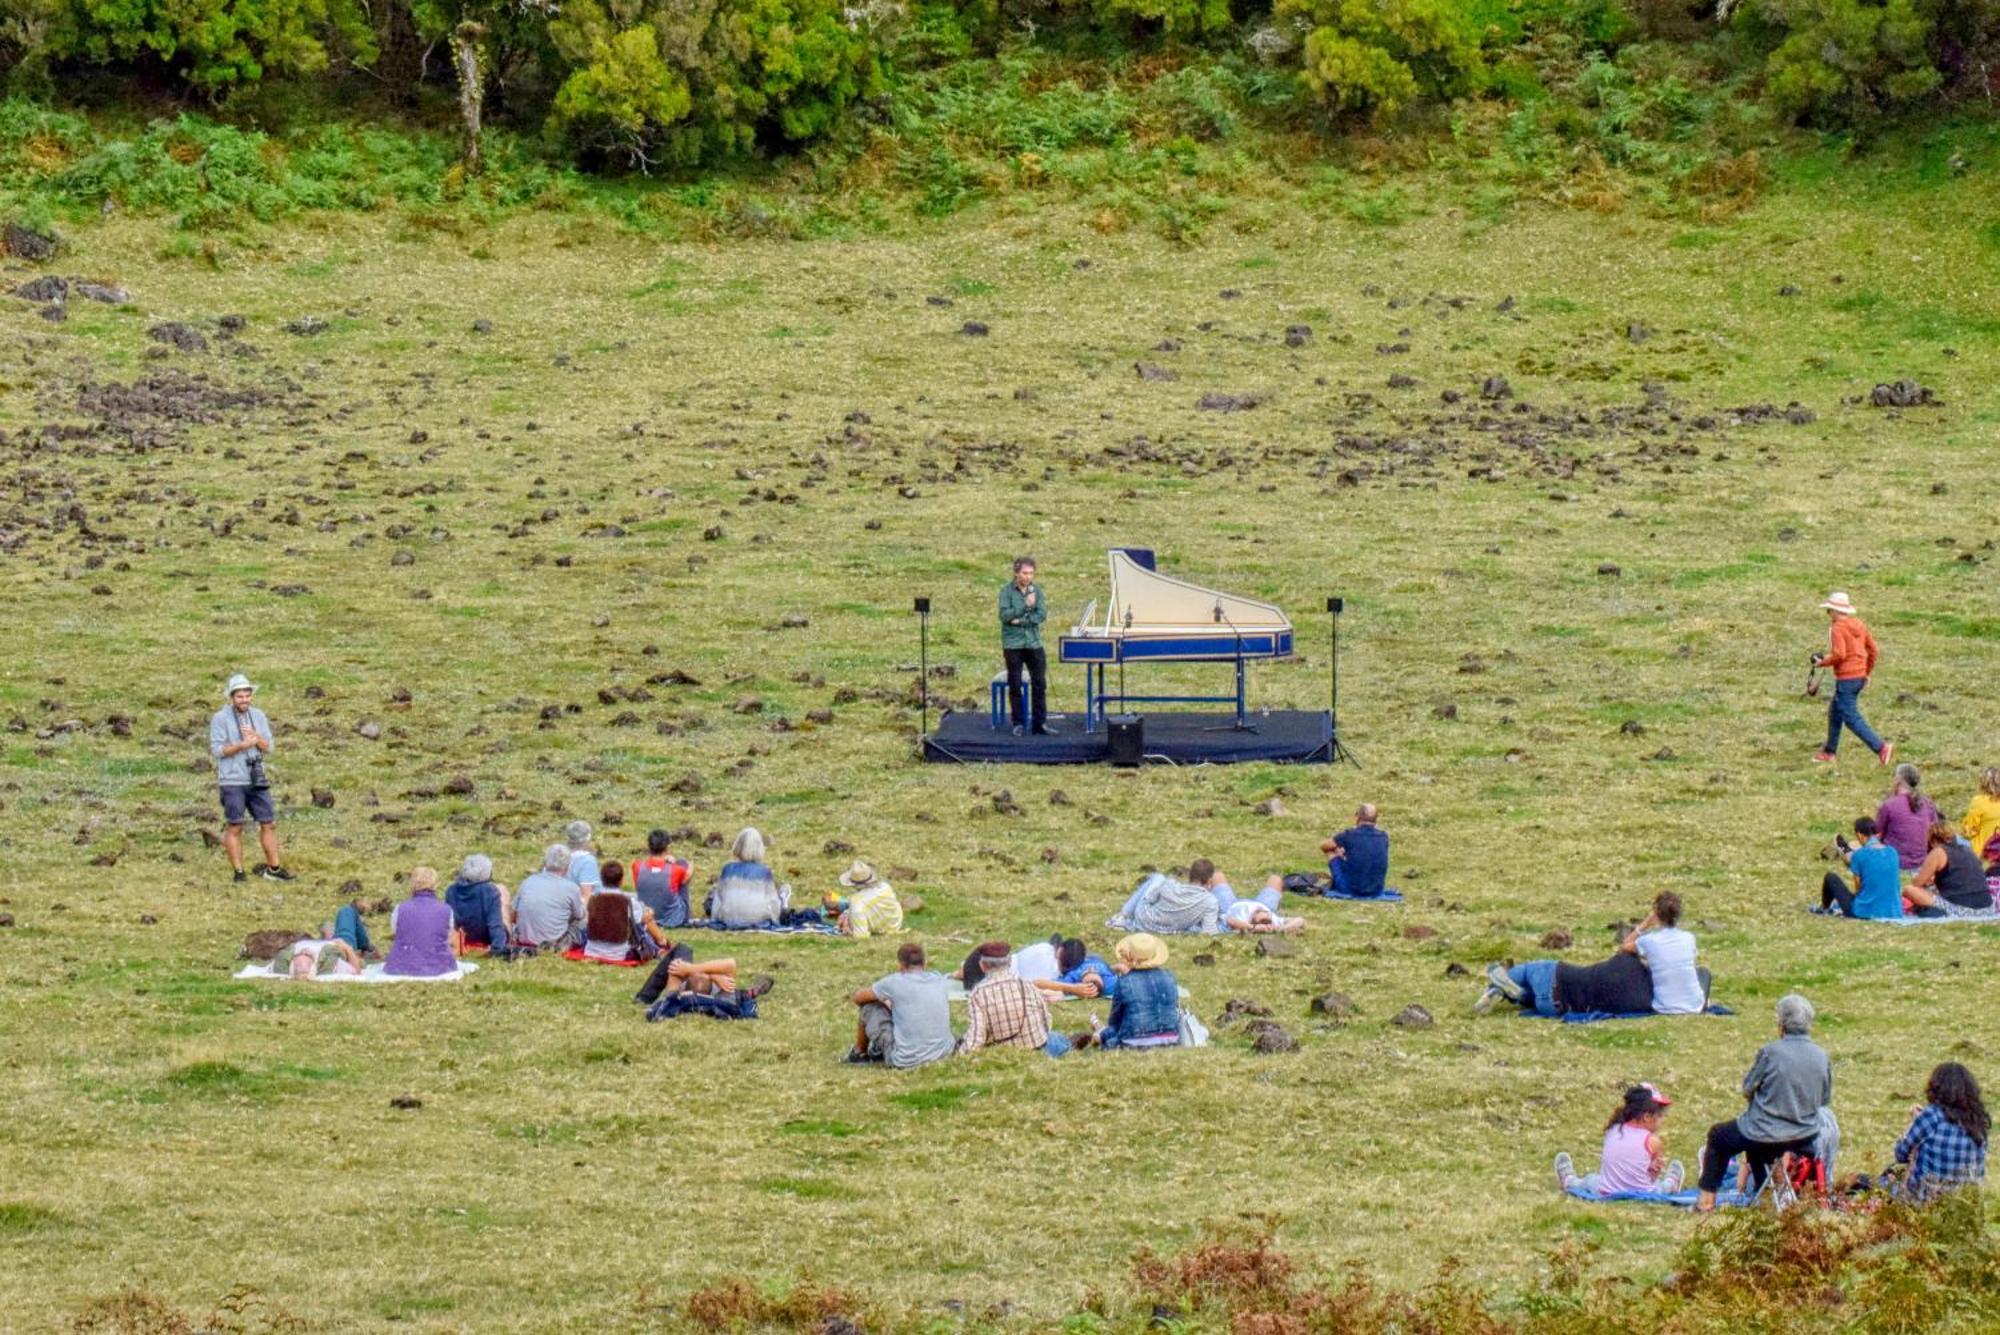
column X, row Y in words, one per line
column 524, row 465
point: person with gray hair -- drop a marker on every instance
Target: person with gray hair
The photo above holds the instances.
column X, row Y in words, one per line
column 747, row 893
column 479, row 908
column 548, row 908
column 1787, row 1086
column 582, row 860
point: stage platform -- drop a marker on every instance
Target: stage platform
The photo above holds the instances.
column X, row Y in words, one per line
column 1291, row 736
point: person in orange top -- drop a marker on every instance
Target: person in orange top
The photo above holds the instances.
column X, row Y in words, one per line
column 1851, row 654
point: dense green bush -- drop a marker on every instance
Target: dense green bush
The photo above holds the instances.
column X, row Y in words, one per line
column 1846, row 59
column 213, row 44
column 1376, row 55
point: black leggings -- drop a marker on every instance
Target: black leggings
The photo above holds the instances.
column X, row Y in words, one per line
column 1726, row 1141
column 1833, row 890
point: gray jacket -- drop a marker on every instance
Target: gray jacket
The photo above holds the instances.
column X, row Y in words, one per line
column 233, row 771
column 1787, row 1085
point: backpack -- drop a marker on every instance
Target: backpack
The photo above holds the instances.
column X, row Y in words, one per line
column 661, row 885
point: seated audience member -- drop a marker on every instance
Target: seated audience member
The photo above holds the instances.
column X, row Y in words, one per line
column 1007, row 1012
column 548, row 908
column 1166, row 906
column 661, row 882
column 478, row 905
column 616, row 926
column 905, row 1018
column 1982, row 817
column 747, row 893
column 350, row 926
column 1905, row 818
column 1786, row 1086
column 582, row 860
column 1146, row 1008
column 1358, row 858
column 1950, row 875
column 1621, row 985
column 1254, row 917
column 1080, row 973
column 1668, row 951
column 1945, row 1146
column 1877, row 891
column 871, row 907
column 1634, row 1158
column 325, row 953
column 422, row 928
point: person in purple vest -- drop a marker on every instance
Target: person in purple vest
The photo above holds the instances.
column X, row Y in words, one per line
column 421, row 925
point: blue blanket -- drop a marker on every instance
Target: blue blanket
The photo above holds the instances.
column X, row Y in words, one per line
column 1389, row 895
column 1592, row 1017
column 1680, row 1199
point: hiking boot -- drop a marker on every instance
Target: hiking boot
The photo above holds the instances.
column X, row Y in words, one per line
column 1503, row 983
column 1565, row 1171
column 276, row 874
column 1671, row 1180
column 1487, row 1000
column 1887, row 753
column 1824, row 757
column 759, row 985
column 240, row 876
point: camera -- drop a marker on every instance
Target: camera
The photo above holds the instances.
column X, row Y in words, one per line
column 258, row 778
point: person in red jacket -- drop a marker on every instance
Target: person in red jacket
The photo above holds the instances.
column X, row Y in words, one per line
column 1851, row 654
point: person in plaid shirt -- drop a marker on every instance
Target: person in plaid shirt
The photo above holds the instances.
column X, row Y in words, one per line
column 1945, row 1146
column 1007, row 1012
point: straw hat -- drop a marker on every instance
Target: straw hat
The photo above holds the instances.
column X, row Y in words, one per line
column 1143, row 950
column 1839, row 602
column 858, row 875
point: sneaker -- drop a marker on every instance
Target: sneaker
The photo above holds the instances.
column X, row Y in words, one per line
column 1046, row 731
column 1020, row 731
column 1670, row 1181
column 856, row 1057
column 1501, row 982
column 240, row 876
column 1887, row 753
column 1487, row 1000
column 1565, row 1171
column 1824, row 757
column 276, row 874
column 759, row 985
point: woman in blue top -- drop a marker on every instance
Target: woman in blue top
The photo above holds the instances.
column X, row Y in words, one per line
column 1083, row 974
column 1146, row 1012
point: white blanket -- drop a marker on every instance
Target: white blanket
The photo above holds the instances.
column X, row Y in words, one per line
column 371, row 974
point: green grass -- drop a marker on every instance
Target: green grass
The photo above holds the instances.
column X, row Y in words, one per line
column 149, row 1097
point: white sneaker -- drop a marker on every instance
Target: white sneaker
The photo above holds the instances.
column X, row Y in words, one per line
column 1671, row 1180
column 1565, row 1171
column 1487, row 1000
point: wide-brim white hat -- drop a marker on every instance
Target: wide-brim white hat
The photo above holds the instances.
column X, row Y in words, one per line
column 239, row 682
column 1839, row 602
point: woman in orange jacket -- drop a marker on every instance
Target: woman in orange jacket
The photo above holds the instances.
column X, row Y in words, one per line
column 1851, row 654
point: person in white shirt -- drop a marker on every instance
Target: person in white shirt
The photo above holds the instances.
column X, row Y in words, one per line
column 1668, row 951
column 1247, row 915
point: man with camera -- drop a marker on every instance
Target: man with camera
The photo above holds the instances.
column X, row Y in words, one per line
column 239, row 737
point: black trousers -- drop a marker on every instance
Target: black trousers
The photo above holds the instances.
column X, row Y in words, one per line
column 1726, row 1141
column 1833, row 890
column 1036, row 661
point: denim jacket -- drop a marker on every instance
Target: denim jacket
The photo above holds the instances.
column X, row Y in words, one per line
column 1147, row 1005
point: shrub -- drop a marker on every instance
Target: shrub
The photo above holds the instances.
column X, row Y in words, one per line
column 1376, row 55
column 213, row 44
column 1846, row 60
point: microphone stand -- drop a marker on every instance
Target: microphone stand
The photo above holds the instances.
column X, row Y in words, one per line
column 1242, row 723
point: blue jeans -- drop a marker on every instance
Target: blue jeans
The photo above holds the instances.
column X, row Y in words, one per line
column 348, row 927
column 1538, row 979
column 1057, row 1044
column 1845, row 708
column 1346, row 882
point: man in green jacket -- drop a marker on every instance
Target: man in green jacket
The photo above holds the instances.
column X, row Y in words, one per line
column 1022, row 608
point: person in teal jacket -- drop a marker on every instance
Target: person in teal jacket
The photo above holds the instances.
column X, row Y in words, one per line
column 1022, row 610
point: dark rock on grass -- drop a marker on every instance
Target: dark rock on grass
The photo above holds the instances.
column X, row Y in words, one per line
column 30, row 243
column 1401, row 381
column 1789, row 290
column 1238, row 1008
column 1637, row 333
column 688, row 783
column 793, row 621
column 1298, row 335
column 1664, row 753
column 369, row 730
column 460, row 785
column 819, row 716
column 1798, row 414
column 1444, row 709
column 1609, row 568
column 307, row 326
column 1631, row 727
column 714, row 533
column 148, row 920
column 1495, row 387
column 6, row 920
column 1229, row 403
column 231, row 324
column 54, row 313
column 1506, row 306
column 935, row 300
column 403, row 557
column 323, row 799
column 674, row 678
column 749, row 704
column 482, row 326
column 1456, row 970
column 1051, row 856
column 1268, row 1036
column 406, row 1102
column 46, row 288
column 1413, row 1016
column 974, row 329
column 1557, row 938
column 1276, row 947
column 1203, row 961
column 1903, row 394
column 109, row 294
column 1058, row 798
column 1417, row 931
column 1148, row 371
column 1167, row 345
column 1004, row 803
column 1270, row 806
column 175, row 334
column 1334, row 1005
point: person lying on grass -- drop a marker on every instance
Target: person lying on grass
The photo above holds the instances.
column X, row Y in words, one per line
column 1146, row 1009
column 1950, row 876
column 905, row 1018
column 1786, row 1086
column 1080, row 973
column 1167, row 906
column 1945, row 1146
column 315, row 955
column 1634, row 1157
column 677, row 971
column 1876, row 892
column 1250, row 916
column 1665, row 980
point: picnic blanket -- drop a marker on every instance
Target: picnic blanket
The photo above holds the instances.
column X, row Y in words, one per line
column 1593, row 1017
column 1683, row 1200
column 1952, row 915
column 1318, row 885
column 769, row 929
column 371, row 974
column 1389, row 895
column 577, row 953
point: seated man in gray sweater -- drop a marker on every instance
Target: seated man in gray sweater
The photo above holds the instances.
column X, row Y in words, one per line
column 1787, row 1085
